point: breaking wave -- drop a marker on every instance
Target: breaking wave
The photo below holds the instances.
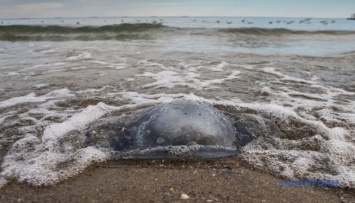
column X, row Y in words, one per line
column 82, row 33
column 131, row 31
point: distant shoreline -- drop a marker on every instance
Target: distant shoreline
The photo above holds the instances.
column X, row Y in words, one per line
column 28, row 18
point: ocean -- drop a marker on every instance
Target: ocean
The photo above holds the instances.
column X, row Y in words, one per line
column 61, row 75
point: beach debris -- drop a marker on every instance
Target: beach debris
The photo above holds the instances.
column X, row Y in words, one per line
column 184, row 197
column 211, row 200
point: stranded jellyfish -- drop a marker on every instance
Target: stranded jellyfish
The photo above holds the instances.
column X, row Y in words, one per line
column 179, row 129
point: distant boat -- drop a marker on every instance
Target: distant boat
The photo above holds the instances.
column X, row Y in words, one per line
column 352, row 17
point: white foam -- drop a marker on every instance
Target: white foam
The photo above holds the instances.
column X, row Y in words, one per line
column 12, row 73
column 44, row 65
column 315, row 110
column 130, row 79
column 78, row 121
column 112, row 65
column 39, row 86
column 219, row 67
column 170, row 79
column 32, row 98
column 84, row 55
column 42, row 165
column 80, row 68
column 138, row 98
column 152, row 64
column 93, row 90
column 3, row 182
column 283, row 76
column 314, row 78
column 120, row 67
column 57, row 154
column 24, row 99
column 6, row 115
column 48, row 51
column 248, row 67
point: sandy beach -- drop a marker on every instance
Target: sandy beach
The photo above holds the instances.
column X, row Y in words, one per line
column 219, row 180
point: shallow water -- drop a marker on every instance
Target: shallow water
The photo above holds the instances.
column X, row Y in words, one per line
column 50, row 92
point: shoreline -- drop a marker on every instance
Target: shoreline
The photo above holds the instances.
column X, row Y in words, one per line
column 215, row 180
column 222, row 180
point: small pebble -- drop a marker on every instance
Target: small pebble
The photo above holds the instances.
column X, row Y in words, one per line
column 184, row 196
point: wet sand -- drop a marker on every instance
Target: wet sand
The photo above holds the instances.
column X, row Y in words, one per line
column 222, row 180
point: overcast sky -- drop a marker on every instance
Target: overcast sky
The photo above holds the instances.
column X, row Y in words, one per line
column 102, row 8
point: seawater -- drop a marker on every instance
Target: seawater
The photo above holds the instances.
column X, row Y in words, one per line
column 196, row 22
column 59, row 76
column 317, row 37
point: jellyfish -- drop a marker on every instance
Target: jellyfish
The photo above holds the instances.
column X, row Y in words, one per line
column 179, row 129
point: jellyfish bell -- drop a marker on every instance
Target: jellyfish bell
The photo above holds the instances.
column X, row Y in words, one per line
column 179, row 129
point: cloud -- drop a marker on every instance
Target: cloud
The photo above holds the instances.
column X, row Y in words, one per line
column 40, row 6
column 31, row 10
column 82, row 8
column 84, row 1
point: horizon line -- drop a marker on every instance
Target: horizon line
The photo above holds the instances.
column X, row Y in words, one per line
column 177, row 16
